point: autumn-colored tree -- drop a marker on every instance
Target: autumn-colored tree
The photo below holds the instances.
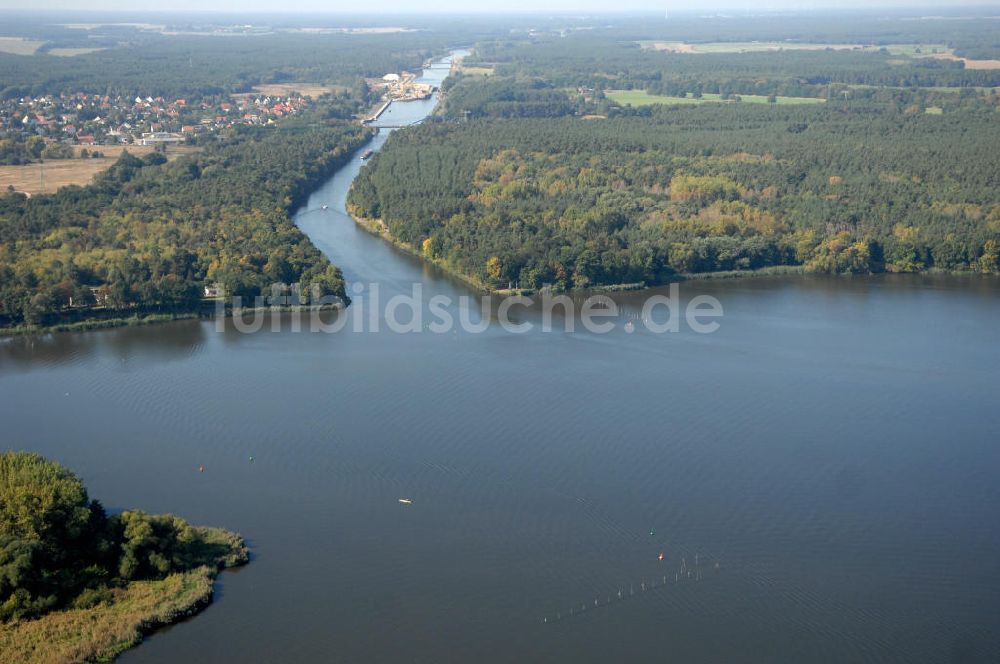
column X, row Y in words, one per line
column 494, row 269
column 427, row 247
column 989, row 262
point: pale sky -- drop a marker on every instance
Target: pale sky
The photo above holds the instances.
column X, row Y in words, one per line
column 464, row 6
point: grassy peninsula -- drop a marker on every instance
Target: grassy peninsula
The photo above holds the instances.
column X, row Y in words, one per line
column 79, row 585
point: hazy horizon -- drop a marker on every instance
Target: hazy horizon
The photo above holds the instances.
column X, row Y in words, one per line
column 494, row 6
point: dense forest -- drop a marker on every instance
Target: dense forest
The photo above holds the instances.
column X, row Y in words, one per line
column 183, row 58
column 602, row 61
column 532, row 175
column 964, row 27
column 568, row 73
column 849, row 186
column 150, row 234
column 195, row 66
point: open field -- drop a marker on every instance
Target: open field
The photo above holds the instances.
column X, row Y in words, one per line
column 944, row 90
column 643, row 98
column 375, row 30
column 19, row 46
column 70, row 52
column 760, row 47
column 673, row 47
column 979, row 89
column 92, row 26
column 914, row 50
column 475, row 71
column 62, row 172
column 909, row 50
column 305, row 89
column 744, row 47
column 969, row 64
column 458, row 64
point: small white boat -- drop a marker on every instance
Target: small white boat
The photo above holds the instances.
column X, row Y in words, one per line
column 405, row 501
column 325, row 207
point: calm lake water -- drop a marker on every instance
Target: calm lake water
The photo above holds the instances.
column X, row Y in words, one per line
column 820, row 474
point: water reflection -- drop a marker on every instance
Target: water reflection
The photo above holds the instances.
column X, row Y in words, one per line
column 126, row 348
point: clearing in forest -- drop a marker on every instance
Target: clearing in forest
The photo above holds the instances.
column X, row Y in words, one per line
column 57, row 173
column 643, row 98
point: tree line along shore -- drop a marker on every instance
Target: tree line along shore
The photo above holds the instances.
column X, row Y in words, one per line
column 531, row 173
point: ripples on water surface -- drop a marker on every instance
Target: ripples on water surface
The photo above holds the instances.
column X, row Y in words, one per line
column 832, row 448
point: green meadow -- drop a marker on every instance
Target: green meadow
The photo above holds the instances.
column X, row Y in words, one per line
column 643, row 98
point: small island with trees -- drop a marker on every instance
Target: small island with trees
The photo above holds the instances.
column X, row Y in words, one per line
column 78, row 584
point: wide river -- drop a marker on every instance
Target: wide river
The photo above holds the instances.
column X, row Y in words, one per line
column 820, row 474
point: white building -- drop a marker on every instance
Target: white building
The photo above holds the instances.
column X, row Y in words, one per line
column 160, row 137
